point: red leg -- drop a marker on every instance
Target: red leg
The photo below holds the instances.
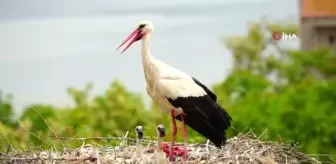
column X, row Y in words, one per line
column 184, row 138
column 171, row 155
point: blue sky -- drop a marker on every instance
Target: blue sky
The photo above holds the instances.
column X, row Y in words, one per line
column 46, row 46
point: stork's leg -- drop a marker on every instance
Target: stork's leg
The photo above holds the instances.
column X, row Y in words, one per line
column 184, row 138
column 171, row 155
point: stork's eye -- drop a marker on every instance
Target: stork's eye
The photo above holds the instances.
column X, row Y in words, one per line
column 141, row 26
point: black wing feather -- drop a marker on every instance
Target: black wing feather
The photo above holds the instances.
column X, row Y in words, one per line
column 204, row 115
column 206, row 89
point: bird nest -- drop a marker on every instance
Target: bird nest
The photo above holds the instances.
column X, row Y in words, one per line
column 244, row 148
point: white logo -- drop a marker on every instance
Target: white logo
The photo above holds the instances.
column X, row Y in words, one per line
column 282, row 35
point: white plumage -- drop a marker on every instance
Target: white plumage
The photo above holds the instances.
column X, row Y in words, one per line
column 179, row 87
column 165, row 81
column 180, row 93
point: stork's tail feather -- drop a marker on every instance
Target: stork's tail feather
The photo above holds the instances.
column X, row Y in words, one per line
column 207, row 118
column 216, row 137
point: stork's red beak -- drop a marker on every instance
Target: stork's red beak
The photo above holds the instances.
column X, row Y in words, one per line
column 135, row 36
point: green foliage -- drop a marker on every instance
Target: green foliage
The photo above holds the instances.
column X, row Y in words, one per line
column 6, row 109
column 290, row 93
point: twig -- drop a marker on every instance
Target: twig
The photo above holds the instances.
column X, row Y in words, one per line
column 262, row 134
column 125, row 138
column 83, row 143
column 45, row 121
column 207, row 146
column 10, row 146
column 101, row 138
column 40, row 139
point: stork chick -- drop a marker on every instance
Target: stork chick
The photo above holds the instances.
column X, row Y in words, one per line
column 138, row 156
column 181, row 95
column 139, row 136
column 160, row 156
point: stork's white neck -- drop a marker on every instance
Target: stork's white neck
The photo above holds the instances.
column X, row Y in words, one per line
column 138, row 147
column 146, row 54
column 148, row 61
column 159, row 144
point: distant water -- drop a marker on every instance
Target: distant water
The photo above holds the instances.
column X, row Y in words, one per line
column 41, row 56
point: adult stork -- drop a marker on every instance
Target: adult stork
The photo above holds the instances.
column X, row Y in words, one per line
column 185, row 97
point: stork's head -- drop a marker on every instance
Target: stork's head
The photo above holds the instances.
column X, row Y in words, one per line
column 143, row 28
column 161, row 131
column 138, row 131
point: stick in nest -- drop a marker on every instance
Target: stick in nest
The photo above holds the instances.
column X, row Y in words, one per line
column 45, row 121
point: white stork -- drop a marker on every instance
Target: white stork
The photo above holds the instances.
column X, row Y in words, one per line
column 186, row 98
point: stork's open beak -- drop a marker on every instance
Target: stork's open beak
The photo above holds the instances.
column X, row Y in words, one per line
column 135, row 36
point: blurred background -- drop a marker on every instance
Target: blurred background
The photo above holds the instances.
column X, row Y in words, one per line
column 59, row 58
